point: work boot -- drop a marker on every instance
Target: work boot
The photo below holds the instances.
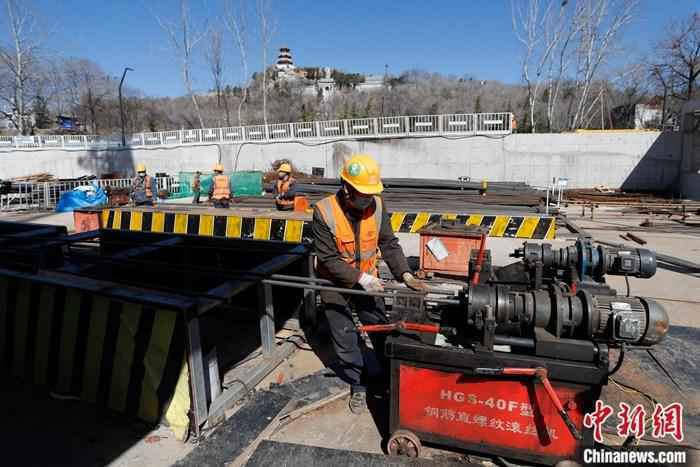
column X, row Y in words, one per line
column 358, row 402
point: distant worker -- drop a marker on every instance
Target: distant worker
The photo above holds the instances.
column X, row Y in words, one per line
column 349, row 228
column 196, row 187
column 220, row 191
column 285, row 188
column 142, row 187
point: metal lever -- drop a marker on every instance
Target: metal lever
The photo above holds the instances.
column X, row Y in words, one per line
column 541, row 374
column 400, row 325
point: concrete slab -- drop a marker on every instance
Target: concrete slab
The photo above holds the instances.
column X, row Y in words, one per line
column 40, row 430
column 321, row 428
column 41, row 217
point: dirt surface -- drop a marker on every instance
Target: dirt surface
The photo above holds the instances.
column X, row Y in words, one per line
column 333, row 426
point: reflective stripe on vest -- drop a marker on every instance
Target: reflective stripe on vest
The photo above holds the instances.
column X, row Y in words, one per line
column 222, row 190
column 344, row 233
column 149, row 191
column 282, row 188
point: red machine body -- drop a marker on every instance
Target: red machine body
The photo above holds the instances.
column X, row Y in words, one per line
column 437, row 395
column 483, row 410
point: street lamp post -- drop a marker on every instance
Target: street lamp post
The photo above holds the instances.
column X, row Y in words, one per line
column 121, row 106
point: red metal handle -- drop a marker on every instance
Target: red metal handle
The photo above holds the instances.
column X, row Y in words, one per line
column 542, row 375
column 479, row 260
column 400, row 325
column 520, row 371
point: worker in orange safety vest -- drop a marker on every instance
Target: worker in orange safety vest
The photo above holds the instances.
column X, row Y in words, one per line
column 285, row 188
column 349, row 229
column 220, row 190
column 142, row 186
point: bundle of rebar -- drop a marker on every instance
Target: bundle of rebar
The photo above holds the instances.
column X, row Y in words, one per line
column 430, row 195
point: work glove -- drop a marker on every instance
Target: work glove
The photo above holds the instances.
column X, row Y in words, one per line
column 370, row 283
column 413, row 283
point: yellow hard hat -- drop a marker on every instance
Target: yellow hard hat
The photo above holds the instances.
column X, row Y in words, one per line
column 285, row 168
column 140, row 168
column 219, row 168
column 362, row 172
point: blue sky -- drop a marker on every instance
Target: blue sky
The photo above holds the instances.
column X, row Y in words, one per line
column 447, row 36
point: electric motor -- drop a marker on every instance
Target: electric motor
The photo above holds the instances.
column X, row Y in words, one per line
column 590, row 260
column 636, row 320
column 602, row 318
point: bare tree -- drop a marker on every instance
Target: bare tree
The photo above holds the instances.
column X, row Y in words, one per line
column 266, row 30
column 666, row 83
column 183, row 39
column 600, row 22
column 236, row 24
column 539, row 29
column 679, row 58
column 566, row 31
column 92, row 92
column 624, row 90
column 56, row 86
column 19, row 60
column 215, row 60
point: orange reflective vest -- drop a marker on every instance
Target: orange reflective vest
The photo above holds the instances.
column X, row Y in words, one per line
column 282, row 188
column 364, row 258
column 143, row 185
column 222, row 189
column 149, row 191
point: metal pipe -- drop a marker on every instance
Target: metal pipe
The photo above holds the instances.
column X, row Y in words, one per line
column 285, row 277
column 523, row 342
column 319, row 280
column 297, row 285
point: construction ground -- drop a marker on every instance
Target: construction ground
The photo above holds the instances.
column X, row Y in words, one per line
column 39, row 428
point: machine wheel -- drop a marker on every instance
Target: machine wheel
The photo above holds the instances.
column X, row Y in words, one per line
column 404, row 443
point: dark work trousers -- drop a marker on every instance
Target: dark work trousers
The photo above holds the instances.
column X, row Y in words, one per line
column 148, row 202
column 285, row 207
column 195, row 198
column 221, row 203
column 352, row 366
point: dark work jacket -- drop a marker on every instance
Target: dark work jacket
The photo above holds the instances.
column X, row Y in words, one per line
column 291, row 192
column 138, row 189
column 327, row 253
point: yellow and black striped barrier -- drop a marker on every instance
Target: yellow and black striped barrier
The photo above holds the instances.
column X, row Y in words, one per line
column 122, row 356
column 534, row 227
column 297, row 230
column 228, row 226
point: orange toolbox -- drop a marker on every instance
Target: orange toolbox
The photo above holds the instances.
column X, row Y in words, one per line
column 446, row 247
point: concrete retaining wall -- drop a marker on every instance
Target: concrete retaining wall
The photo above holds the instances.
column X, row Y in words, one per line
column 642, row 161
column 690, row 178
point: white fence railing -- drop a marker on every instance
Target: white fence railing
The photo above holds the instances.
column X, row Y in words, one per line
column 499, row 123
column 45, row 195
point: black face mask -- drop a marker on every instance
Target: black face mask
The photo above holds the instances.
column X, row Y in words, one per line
column 282, row 176
column 359, row 202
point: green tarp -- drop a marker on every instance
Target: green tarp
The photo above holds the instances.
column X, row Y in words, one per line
column 243, row 183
